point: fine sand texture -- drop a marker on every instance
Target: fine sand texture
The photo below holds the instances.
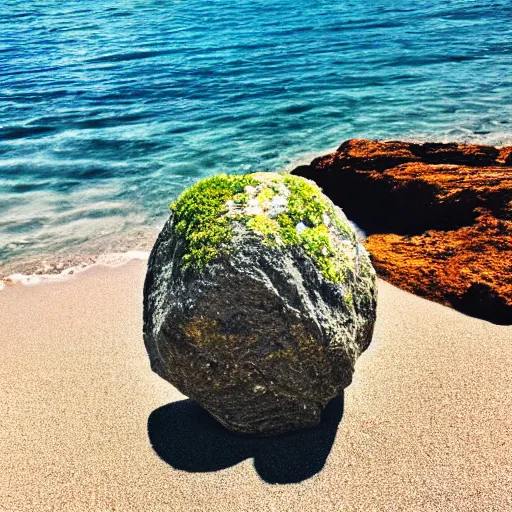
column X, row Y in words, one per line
column 86, row 425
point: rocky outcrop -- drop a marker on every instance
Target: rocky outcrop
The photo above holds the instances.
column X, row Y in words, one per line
column 258, row 299
column 438, row 217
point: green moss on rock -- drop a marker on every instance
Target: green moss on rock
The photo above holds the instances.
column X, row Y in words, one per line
column 284, row 210
column 266, row 195
column 199, row 215
column 265, row 226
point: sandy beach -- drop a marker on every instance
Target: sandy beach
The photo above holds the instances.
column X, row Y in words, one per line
column 86, row 425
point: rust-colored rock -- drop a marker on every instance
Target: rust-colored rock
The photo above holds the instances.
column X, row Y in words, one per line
column 438, row 216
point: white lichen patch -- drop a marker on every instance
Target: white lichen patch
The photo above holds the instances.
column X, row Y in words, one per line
column 268, row 198
column 278, row 205
column 253, row 207
column 300, row 228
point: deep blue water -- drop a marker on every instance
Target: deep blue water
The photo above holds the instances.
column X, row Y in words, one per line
column 109, row 109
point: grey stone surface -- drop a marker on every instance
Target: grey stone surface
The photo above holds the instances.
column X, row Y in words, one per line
column 259, row 337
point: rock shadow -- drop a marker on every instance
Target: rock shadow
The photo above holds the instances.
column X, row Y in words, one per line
column 186, row 437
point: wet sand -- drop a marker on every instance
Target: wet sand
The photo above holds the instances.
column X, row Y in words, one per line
column 425, row 425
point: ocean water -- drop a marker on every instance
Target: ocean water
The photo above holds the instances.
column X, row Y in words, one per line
column 108, row 110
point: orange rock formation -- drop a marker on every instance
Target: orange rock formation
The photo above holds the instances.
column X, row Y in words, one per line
column 438, row 216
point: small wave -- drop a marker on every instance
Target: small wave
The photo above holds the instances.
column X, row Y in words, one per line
column 111, row 260
column 20, row 132
column 121, row 57
column 296, row 109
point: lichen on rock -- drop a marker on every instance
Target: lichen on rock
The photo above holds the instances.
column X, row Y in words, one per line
column 284, row 210
column 259, row 298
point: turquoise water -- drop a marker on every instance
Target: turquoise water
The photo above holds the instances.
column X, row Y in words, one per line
column 109, row 109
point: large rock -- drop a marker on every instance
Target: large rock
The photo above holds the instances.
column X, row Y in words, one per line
column 438, row 216
column 258, row 300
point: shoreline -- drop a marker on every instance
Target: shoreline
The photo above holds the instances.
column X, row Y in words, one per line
column 108, row 260
column 63, row 272
column 142, row 238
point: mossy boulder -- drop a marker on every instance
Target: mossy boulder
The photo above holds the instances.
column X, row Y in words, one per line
column 259, row 298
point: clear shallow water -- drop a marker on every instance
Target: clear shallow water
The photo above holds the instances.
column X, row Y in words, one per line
column 108, row 110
